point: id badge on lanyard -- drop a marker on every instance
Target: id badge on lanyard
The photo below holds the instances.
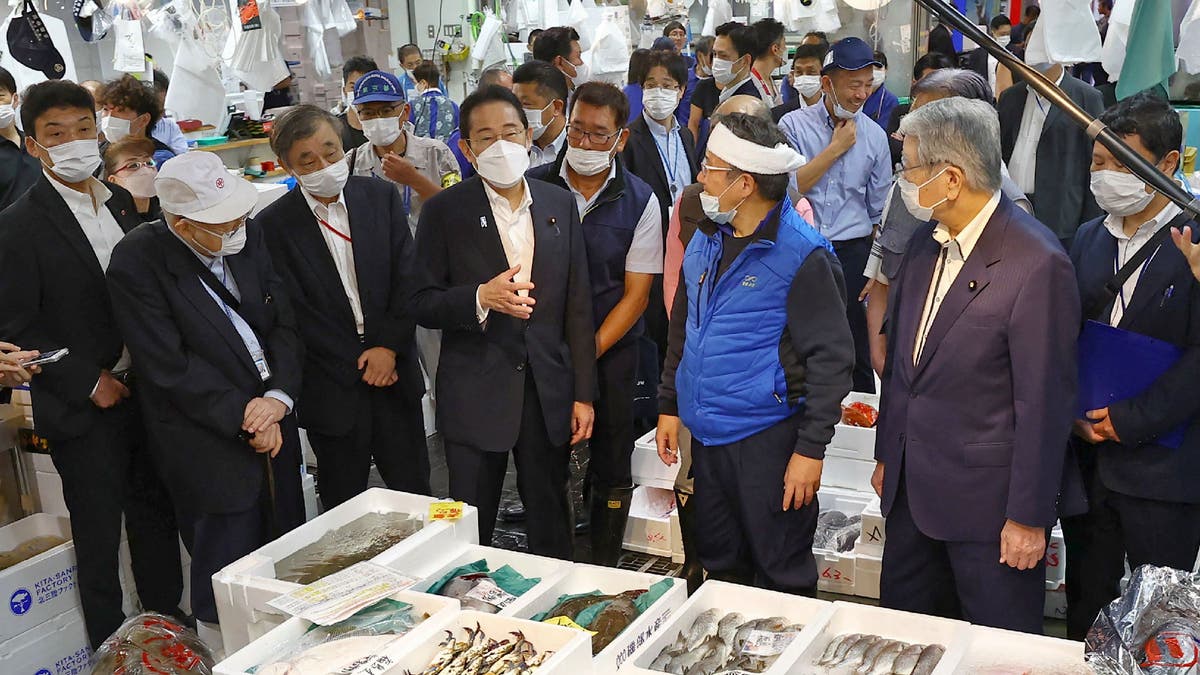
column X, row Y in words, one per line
column 260, row 362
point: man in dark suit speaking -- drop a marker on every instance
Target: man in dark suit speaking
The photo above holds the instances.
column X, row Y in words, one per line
column 215, row 348
column 979, row 387
column 503, row 272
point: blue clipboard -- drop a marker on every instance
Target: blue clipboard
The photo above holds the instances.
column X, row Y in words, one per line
column 1116, row 364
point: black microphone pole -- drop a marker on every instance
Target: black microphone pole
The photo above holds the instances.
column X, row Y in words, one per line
column 1143, row 169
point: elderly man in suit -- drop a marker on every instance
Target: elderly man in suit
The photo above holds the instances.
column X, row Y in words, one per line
column 979, row 385
column 503, row 273
column 215, row 347
column 56, row 242
column 342, row 246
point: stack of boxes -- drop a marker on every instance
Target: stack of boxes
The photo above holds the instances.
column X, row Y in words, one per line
column 653, row 525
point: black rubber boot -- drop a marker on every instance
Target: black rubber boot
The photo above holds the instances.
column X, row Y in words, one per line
column 692, row 571
column 610, row 510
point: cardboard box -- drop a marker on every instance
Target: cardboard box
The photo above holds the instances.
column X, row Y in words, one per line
column 648, row 468
column 58, row 646
column 992, row 649
column 42, row 587
column 888, row 623
column 648, row 529
column 430, row 563
column 835, row 570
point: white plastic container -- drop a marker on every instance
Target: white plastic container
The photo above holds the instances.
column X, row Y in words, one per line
column 1056, row 557
column 867, row 568
column 430, row 564
column 442, row 612
column 855, row 442
column 50, row 493
column 835, row 570
column 648, row 468
column 243, row 588
column 753, row 603
column 844, row 472
column 874, row 533
column 887, row 623
column 648, row 530
column 1056, row 601
column 609, row 581
column 1007, row 651
column 59, row 646
column 42, row 587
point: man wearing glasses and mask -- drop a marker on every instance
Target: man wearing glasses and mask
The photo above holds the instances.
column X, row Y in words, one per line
column 502, row 271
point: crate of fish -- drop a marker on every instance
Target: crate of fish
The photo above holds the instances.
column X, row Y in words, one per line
column 298, row 646
column 623, row 610
column 990, row 651
column 485, row 579
column 854, row 435
column 862, row 639
column 648, row 468
column 476, row 642
column 729, row 628
column 37, row 572
column 379, row 525
column 838, row 527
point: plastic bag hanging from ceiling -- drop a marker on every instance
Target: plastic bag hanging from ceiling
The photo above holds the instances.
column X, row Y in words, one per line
column 1065, row 33
column 1188, row 52
column 313, row 19
column 719, row 12
column 255, row 56
column 610, row 50
column 577, row 18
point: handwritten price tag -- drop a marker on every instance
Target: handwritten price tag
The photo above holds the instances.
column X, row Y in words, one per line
column 445, row 511
column 489, row 592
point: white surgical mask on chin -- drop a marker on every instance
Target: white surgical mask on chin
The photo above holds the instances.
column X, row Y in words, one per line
column 807, row 85
column 327, row 182
column 503, row 164
column 382, row 131
column 8, row 116
column 230, row 245
column 76, row 161
column 911, row 194
column 1119, row 193
column 712, row 207
column 840, row 112
column 659, row 102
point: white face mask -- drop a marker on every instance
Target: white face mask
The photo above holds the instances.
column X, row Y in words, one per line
column 911, row 194
column 659, row 102
column 536, row 127
column 1003, row 40
column 722, row 70
column 327, row 182
column 231, row 244
column 589, row 162
column 807, row 85
column 840, row 112
column 503, row 164
column 7, row 115
column 712, row 207
column 140, row 182
column 76, row 161
column 348, row 99
column 114, row 128
column 1119, row 193
column 582, row 74
column 878, row 77
column 382, row 131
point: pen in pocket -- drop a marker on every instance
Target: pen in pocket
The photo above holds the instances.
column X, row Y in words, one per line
column 1167, row 296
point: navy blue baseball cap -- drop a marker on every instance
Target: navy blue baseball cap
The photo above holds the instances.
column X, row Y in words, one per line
column 849, row 54
column 378, row 86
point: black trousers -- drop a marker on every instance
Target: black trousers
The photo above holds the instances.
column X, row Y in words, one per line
column 611, row 445
column 386, row 427
column 1148, row 531
column 107, row 473
column 956, row 579
column 744, row 532
column 477, row 478
column 853, row 255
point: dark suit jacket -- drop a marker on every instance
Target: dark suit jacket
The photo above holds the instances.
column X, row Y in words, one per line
column 642, row 159
column 194, row 371
column 1062, row 192
column 980, row 424
column 977, row 60
column 1165, row 306
column 481, row 378
column 383, row 261
column 52, row 295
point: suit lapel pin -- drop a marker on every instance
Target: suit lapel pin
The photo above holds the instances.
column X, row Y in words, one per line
column 483, row 221
column 971, row 285
column 554, row 224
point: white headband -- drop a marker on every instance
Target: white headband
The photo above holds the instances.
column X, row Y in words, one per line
column 752, row 157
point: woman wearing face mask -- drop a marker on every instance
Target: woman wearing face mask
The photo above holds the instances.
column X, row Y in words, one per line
column 881, row 102
column 18, row 170
column 130, row 163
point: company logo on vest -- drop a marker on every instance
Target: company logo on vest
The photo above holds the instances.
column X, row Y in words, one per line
column 750, row 281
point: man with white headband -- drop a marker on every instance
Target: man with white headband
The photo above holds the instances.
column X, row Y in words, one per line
column 759, row 360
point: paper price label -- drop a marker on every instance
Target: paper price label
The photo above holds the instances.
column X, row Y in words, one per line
column 766, row 643
column 445, row 511
column 489, row 592
column 566, row 621
column 340, row 595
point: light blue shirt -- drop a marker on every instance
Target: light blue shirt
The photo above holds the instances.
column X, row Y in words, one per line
column 672, row 155
column 167, row 131
column 849, row 198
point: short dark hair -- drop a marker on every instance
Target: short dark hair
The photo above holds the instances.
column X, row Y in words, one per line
column 43, row 96
column 603, row 95
column 820, row 35
column 1151, row 118
column 703, row 45
column 674, row 25
column 551, row 83
column 130, row 145
column 767, row 134
column 932, row 61
column 1033, row 11
column 493, row 93
column 1000, row 21
column 637, row 66
column 881, row 57
column 816, row 52
column 428, row 73
column 555, row 42
column 766, row 33
column 675, row 64
column 404, row 51
column 533, row 35
column 742, row 36
column 132, row 94
column 7, row 81
column 358, row 64
column 298, row 124
column 492, row 75
column 161, row 82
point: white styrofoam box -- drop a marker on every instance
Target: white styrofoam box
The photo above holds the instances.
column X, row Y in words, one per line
column 874, row 534
column 648, row 467
column 41, row 462
column 647, row 530
column 835, row 571
column 678, row 555
column 429, row 565
column 50, row 494
column 244, row 587
column 308, row 486
column 1056, row 601
column 42, row 587
column 131, row 604
column 306, row 451
column 843, row 472
column 1056, row 557
column 572, row 649
column 887, row 623
column 855, row 442
column 867, row 568
column 210, row 634
column 428, row 414
column 753, row 603
column 58, row 646
column 992, row 648
column 609, row 581
column 441, row 613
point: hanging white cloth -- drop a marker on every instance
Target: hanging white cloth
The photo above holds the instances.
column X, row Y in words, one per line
column 196, row 91
column 1113, row 53
column 1189, row 39
column 1065, row 33
column 255, row 56
column 610, row 50
column 719, row 12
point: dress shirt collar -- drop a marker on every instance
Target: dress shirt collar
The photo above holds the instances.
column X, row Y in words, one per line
column 555, row 146
column 82, row 201
column 612, row 173
column 969, row 236
column 660, row 130
column 1116, row 224
column 321, row 210
column 499, row 201
column 1057, row 83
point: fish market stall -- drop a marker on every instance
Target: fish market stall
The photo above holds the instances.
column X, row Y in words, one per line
column 990, row 651
column 839, row 527
column 863, row 639
column 489, row 580
column 378, row 525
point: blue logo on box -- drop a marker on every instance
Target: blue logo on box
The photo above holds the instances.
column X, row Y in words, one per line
column 43, row 671
column 20, row 601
